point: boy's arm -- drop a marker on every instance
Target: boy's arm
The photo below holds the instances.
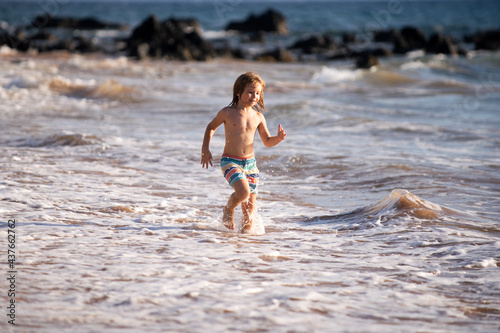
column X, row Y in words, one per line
column 267, row 139
column 206, row 156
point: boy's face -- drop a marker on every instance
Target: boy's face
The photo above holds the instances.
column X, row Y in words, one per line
column 251, row 95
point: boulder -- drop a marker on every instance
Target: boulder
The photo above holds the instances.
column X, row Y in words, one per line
column 87, row 23
column 171, row 39
column 409, row 39
column 226, row 51
column 367, row 55
column 387, row 36
column 349, row 38
column 278, row 55
column 43, row 35
column 366, row 61
column 439, row 43
column 237, row 53
column 378, row 52
column 69, row 45
column 315, row 44
column 16, row 41
column 254, row 37
column 414, row 37
column 84, row 45
column 269, row 21
column 488, row 40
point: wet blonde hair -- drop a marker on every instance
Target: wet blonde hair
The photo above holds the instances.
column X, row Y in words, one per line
column 240, row 84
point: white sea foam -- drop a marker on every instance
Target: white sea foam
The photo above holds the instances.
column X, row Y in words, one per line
column 328, row 75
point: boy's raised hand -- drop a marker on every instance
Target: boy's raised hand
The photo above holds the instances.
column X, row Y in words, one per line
column 281, row 133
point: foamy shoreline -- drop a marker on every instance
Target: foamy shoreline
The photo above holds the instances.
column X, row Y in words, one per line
column 118, row 226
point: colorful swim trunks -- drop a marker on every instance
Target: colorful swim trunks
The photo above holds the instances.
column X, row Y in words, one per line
column 235, row 168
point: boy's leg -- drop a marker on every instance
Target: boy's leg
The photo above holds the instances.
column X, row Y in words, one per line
column 240, row 194
column 248, row 208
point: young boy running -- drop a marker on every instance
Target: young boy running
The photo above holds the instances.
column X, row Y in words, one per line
column 241, row 119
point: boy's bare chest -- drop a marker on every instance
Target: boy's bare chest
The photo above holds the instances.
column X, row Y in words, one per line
column 243, row 123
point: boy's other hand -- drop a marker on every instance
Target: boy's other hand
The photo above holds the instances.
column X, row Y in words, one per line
column 206, row 159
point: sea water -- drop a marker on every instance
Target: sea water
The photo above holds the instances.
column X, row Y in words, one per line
column 379, row 212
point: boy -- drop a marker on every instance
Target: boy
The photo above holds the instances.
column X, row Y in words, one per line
column 241, row 119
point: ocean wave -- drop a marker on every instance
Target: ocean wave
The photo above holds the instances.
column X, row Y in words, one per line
column 376, row 77
column 109, row 89
column 88, row 63
column 330, row 75
column 23, row 82
column 217, row 34
column 403, row 203
column 7, row 51
column 413, row 65
column 59, row 140
column 398, row 204
column 451, row 86
column 388, row 78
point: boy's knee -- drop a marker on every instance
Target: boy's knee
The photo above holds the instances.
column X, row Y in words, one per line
column 245, row 195
column 242, row 192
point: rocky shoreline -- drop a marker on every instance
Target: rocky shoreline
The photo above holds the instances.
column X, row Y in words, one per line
column 181, row 39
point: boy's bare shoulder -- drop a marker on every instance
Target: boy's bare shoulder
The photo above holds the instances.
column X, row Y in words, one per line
column 260, row 115
column 224, row 112
column 226, row 109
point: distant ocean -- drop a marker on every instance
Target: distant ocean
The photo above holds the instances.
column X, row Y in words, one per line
column 378, row 213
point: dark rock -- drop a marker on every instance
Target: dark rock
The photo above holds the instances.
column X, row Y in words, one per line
column 225, row 51
column 366, row 61
column 44, row 35
column 384, row 53
column 139, row 51
column 408, row 39
column 387, row 36
column 79, row 44
column 88, row 23
column 17, row 41
column 344, row 53
column 470, row 38
column 401, row 46
column 439, row 43
column 348, row 53
column 349, row 38
column 254, row 37
column 269, row 21
column 414, row 37
column 380, row 52
column 62, row 45
column 146, row 31
column 42, row 41
column 238, row 54
column 315, row 44
column 197, row 47
column 278, row 55
column 488, row 40
column 84, row 45
column 171, row 39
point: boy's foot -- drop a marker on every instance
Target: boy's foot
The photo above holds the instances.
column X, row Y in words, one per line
column 247, row 226
column 228, row 218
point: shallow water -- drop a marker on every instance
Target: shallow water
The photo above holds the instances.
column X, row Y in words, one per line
column 379, row 212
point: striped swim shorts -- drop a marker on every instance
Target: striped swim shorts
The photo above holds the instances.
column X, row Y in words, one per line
column 235, row 168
